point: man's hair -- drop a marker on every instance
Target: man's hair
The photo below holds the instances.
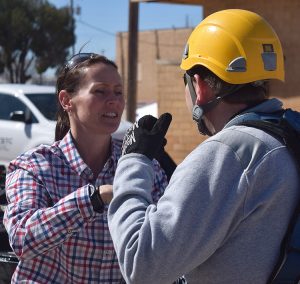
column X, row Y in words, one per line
column 249, row 93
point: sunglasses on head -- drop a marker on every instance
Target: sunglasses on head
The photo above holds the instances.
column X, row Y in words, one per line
column 77, row 59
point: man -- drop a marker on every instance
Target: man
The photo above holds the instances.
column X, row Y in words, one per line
column 226, row 210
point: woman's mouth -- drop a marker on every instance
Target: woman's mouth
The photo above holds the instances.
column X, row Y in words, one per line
column 110, row 115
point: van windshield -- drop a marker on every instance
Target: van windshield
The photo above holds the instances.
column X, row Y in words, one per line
column 46, row 104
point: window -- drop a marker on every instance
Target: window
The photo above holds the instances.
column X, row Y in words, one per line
column 9, row 104
column 46, row 104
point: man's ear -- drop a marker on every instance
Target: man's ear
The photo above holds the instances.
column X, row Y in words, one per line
column 203, row 91
column 65, row 100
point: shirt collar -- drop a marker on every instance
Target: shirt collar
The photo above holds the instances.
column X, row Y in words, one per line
column 260, row 111
column 71, row 154
column 268, row 106
column 75, row 161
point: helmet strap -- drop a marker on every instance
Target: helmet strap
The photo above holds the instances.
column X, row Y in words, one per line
column 199, row 111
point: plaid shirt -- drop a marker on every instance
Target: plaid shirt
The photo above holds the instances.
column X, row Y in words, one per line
column 52, row 227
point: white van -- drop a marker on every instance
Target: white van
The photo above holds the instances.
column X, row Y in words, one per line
column 27, row 118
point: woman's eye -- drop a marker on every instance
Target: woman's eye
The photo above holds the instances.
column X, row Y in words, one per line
column 119, row 93
column 99, row 91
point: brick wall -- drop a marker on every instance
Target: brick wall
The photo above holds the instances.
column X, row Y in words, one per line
column 183, row 135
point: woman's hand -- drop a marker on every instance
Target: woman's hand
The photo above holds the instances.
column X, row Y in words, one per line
column 106, row 193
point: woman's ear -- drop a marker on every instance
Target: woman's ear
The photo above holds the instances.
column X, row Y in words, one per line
column 65, row 100
column 203, row 91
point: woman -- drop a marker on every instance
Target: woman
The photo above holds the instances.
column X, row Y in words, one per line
column 56, row 217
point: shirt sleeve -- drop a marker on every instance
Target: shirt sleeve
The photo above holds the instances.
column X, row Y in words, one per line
column 189, row 222
column 34, row 225
column 160, row 181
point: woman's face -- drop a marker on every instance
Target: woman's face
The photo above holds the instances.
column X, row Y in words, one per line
column 98, row 105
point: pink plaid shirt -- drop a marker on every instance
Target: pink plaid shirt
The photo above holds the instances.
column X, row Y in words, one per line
column 52, row 227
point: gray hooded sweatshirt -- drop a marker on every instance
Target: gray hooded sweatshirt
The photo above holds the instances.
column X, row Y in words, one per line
column 222, row 217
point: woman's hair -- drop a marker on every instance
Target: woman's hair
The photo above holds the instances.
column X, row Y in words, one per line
column 250, row 93
column 70, row 78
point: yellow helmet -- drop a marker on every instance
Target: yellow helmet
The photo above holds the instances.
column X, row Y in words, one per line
column 238, row 46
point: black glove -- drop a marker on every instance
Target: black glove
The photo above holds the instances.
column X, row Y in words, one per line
column 147, row 136
column 166, row 162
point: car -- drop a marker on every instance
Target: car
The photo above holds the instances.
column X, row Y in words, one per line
column 27, row 119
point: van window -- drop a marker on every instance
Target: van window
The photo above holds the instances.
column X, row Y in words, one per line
column 9, row 104
column 46, row 104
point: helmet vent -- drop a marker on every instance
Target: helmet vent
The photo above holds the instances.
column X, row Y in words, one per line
column 269, row 59
column 237, row 65
column 185, row 52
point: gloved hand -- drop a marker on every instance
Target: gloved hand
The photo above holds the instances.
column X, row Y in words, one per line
column 147, row 136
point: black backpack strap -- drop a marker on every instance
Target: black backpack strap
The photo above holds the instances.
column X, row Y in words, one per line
column 282, row 131
column 287, row 269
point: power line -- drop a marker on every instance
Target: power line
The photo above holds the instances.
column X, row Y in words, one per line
column 96, row 28
column 114, row 35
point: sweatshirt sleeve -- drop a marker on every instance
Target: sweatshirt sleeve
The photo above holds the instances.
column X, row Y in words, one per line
column 35, row 226
column 190, row 221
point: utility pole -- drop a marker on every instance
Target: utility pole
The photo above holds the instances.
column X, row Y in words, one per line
column 72, row 22
column 132, row 61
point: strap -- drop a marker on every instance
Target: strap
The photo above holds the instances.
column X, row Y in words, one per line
column 282, row 131
column 287, row 269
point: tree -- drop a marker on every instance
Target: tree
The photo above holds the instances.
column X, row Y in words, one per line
column 34, row 36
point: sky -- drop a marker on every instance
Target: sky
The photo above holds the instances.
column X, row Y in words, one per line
column 99, row 21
